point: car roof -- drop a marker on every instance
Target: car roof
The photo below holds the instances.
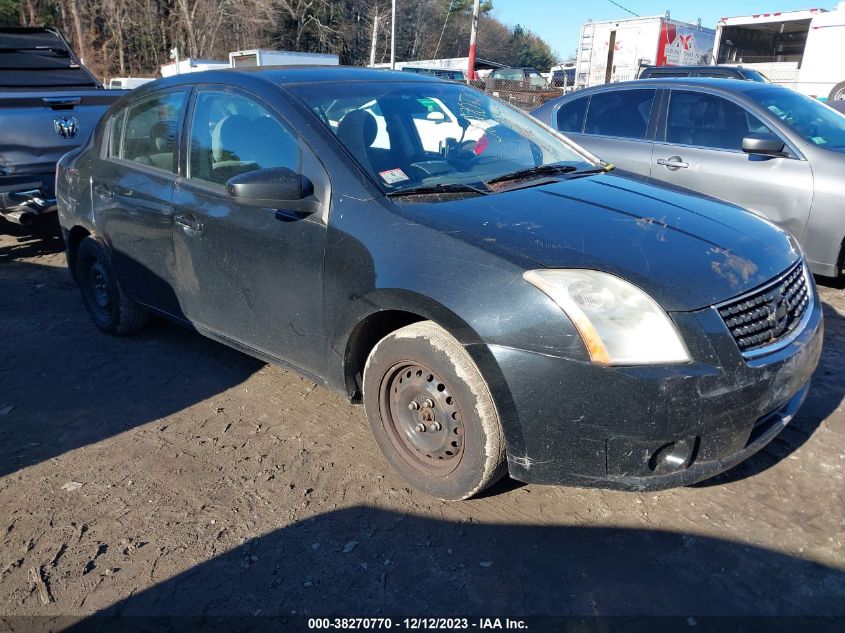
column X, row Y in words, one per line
column 290, row 75
column 725, row 85
column 699, row 67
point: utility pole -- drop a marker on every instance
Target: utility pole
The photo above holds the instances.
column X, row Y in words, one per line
column 174, row 55
column 393, row 36
column 472, row 35
column 373, row 43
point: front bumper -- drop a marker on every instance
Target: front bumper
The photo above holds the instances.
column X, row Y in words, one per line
column 24, row 197
column 653, row 427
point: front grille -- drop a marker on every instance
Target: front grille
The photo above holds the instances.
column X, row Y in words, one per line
column 768, row 315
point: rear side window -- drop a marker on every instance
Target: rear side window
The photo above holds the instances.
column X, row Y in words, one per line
column 620, row 113
column 149, row 133
column 570, row 116
column 704, row 120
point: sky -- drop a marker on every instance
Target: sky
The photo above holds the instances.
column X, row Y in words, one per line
column 559, row 21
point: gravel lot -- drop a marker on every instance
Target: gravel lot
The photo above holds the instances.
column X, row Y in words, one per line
column 168, row 474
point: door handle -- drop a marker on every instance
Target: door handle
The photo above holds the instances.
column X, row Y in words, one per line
column 103, row 191
column 189, row 225
column 673, row 163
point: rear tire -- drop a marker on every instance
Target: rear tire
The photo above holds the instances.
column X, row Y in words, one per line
column 431, row 413
column 838, row 92
column 108, row 305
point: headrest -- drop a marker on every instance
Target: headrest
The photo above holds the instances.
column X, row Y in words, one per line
column 357, row 127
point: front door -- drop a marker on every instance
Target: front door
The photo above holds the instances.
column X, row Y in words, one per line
column 701, row 150
column 131, row 194
column 252, row 275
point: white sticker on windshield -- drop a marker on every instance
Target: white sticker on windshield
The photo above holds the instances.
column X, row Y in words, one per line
column 392, row 176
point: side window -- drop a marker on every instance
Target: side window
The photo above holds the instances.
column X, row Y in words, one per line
column 570, row 116
column 233, row 135
column 705, row 120
column 150, row 131
column 620, row 113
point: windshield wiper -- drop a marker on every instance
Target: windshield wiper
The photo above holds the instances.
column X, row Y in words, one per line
column 549, row 170
column 540, row 170
column 453, row 187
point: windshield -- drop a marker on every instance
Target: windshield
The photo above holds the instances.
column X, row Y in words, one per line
column 811, row 119
column 419, row 134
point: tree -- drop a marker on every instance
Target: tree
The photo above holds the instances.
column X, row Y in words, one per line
column 133, row 37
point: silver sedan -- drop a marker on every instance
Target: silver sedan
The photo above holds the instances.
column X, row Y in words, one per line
column 762, row 147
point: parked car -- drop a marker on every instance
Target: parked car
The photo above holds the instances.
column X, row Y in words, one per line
column 766, row 148
column 516, row 78
column 49, row 103
column 718, row 72
column 504, row 304
column 562, row 77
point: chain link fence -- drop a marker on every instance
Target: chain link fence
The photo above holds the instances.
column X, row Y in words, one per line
column 521, row 94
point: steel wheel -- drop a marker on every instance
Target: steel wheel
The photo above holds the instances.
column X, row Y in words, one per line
column 432, row 414
column 99, row 286
column 111, row 309
column 422, row 418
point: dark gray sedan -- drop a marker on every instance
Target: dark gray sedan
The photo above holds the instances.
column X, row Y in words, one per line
column 498, row 300
column 766, row 148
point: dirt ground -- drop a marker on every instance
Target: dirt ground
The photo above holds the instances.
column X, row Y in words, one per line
column 166, row 474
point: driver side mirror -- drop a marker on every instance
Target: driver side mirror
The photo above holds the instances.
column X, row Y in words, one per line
column 763, row 145
column 271, row 188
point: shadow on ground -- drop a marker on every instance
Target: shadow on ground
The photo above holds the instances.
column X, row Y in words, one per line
column 367, row 561
column 74, row 386
column 43, row 239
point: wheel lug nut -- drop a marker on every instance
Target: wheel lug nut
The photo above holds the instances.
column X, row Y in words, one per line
column 428, row 403
column 435, row 427
column 420, row 428
column 413, row 406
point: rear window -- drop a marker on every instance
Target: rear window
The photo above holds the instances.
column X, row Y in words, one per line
column 664, row 73
column 620, row 113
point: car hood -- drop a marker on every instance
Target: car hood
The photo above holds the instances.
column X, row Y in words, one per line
column 686, row 251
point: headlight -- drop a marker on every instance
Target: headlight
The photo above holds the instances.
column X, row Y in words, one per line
column 619, row 323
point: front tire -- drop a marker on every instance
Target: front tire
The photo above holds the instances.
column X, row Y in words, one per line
column 108, row 305
column 431, row 413
column 838, row 92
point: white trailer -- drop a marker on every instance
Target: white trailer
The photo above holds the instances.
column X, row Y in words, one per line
column 262, row 57
column 190, row 65
column 802, row 50
column 616, row 50
column 128, row 83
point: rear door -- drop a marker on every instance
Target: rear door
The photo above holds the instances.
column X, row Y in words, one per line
column 249, row 274
column 615, row 125
column 131, row 192
column 700, row 147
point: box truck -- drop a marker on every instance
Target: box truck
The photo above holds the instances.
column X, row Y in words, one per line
column 615, row 50
column 802, row 50
column 190, row 65
column 262, row 57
